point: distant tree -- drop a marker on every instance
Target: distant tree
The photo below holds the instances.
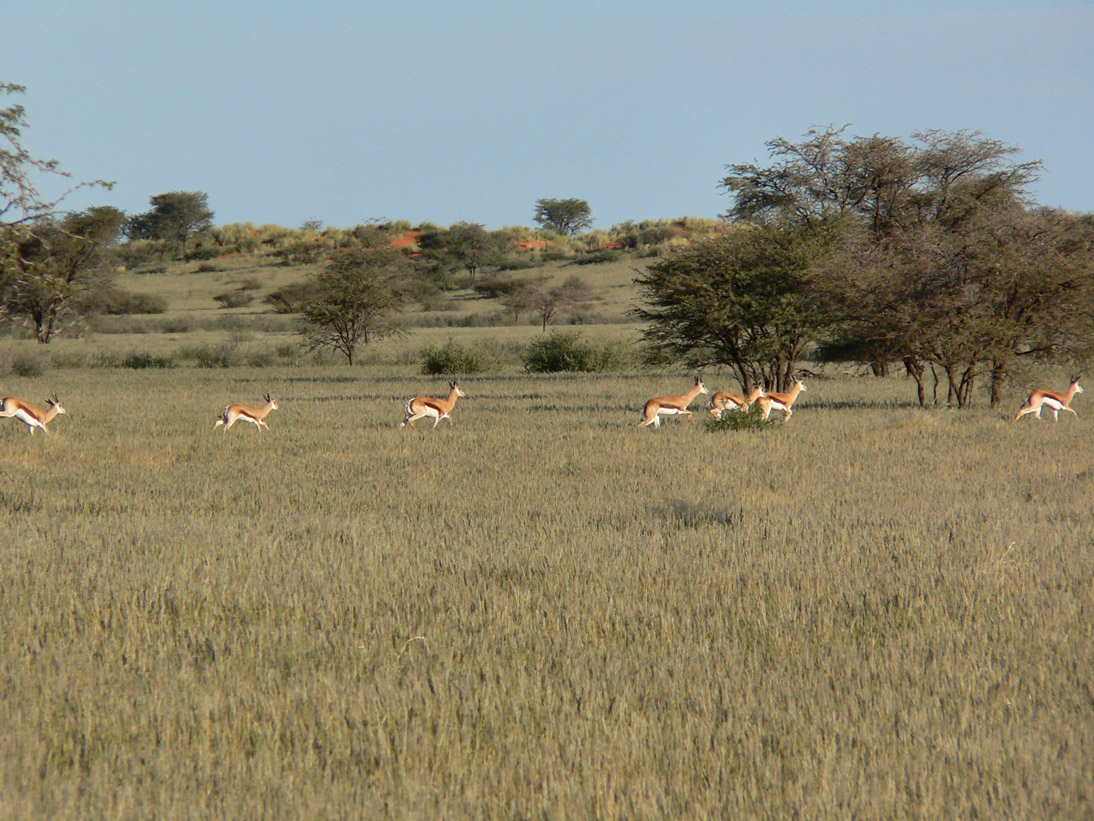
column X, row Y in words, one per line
column 354, row 300
column 471, row 245
column 314, row 226
column 567, row 217
column 175, row 217
column 521, row 299
column 549, row 303
column 50, row 270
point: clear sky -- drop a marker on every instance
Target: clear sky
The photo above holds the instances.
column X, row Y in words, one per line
column 447, row 111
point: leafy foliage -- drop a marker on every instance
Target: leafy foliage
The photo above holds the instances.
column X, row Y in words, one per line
column 50, row 269
column 746, row 298
column 453, row 358
column 354, row 300
column 752, row 419
column 563, row 351
column 175, row 217
column 568, row 217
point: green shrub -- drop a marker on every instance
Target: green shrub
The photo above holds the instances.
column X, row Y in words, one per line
column 598, row 257
column 497, row 286
column 568, row 351
column 139, row 361
column 752, row 419
column 118, row 302
column 453, row 358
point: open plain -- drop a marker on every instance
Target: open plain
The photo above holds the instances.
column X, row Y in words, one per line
column 539, row 609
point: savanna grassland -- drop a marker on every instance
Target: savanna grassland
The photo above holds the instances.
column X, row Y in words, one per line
column 538, row 610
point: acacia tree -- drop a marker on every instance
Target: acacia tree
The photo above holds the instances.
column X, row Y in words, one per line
column 932, row 261
column 354, row 300
column 54, row 268
column 567, row 217
column 471, row 245
column 175, row 217
column 746, row 299
column 45, row 262
column 20, row 200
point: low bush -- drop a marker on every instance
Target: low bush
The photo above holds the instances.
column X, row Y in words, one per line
column 140, row 361
column 454, row 358
column 568, row 352
column 119, row 302
column 752, row 419
column 27, row 365
column 598, row 257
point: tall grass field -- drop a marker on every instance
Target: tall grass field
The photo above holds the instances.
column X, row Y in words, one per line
column 537, row 610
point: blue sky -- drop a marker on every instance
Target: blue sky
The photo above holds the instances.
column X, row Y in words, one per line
column 448, row 111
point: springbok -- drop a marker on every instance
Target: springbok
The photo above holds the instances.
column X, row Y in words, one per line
column 660, row 406
column 438, row 409
column 1056, row 402
column 723, row 401
column 33, row 417
column 781, row 401
column 256, row 416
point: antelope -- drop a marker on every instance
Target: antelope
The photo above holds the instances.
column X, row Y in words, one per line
column 1056, row 402
column 439, row 409
column 781, row 401
column 33, row 417
column 256, row 416
column 723, row 401
column 670, row 405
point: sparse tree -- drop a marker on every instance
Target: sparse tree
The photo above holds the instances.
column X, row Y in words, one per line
column 20, row 200
column 567, row 217
column 549, row 303
column 354, row 300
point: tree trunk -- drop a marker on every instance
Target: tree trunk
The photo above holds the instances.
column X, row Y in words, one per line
column 998, row 377
column 914, row 369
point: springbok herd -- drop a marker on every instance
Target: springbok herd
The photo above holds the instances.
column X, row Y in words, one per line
column 421, row 407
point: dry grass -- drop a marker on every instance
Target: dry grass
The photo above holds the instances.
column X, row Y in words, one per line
column 539, row 610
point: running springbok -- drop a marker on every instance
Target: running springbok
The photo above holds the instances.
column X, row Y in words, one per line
column 438, row 409
column 670, row 405
column 1056, row 402
column 28, row 414
column 723, row 401
column 781, row 401
column 256, row 416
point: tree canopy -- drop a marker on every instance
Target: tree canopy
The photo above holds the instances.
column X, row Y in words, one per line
column 567, row 217
column 354, row 300
column 51, row 268
column 174, row 218
column 926, row 252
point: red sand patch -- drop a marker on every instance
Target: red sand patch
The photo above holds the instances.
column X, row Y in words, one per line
column 406, row 240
